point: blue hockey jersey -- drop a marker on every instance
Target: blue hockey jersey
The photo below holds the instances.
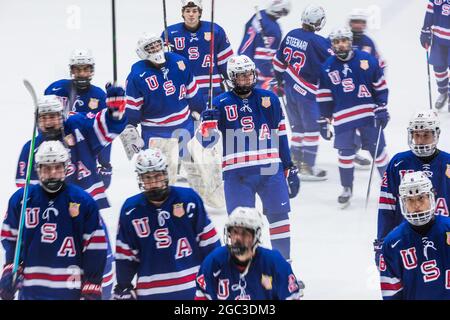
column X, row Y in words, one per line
column 298, row 61
column 85, row 136
column 63, row 242
column 349, row 91
column 365, row 43
column 195, row 47
column 161, row 100
column 437, row 18
column 438, row 170
column 164, row 245
column 253, row 132
column 269, row 277
column 261, row 53
column 414, row 266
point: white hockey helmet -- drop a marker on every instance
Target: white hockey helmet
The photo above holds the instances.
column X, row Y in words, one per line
column 145, row 51
column 426, row 120
column 51, row 152
column 81, row 57
column 416, row 184
column 341, row 33
column 358, row 14
column 152, row 161
column 278, row 8
column 238, row 65
column 248, row 218
column 192, row 3
column 314, row 16
column 49, row 104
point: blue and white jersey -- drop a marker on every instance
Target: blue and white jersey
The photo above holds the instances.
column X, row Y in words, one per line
column 365, row 43
column 63, row 242
column 195, row 47
column 299, row 59
column 255, row 48
column 161, row 100
column 85, row 135
column 349, row 91
column 438, row 170
column 269, row 277
column 437, row 18
column 415, row 266
column 163, row 246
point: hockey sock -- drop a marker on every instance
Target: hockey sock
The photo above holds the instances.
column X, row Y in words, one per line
column 441, row 74
column 381, row 161
column 310, row 147
column 346, row 167
column 280, row 236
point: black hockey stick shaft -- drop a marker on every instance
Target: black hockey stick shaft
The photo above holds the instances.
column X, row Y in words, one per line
column 429, row 81
column 166, row 33
column 211, row 64
column 373, row 166
column 113, row 5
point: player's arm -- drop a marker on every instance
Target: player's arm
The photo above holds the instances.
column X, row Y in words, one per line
column 224, row 51
column 285, row 283
column 266, row 48
column 387, row 202
column 281, row 130
column 94, row 252
column 324, row 96
column 279, row 63
column 390, row 275
column 428, row 20
column 205, row 281
column 380, row 90
column 10, row 226
column 22, row 166
column 135, row 101
column 196, row 101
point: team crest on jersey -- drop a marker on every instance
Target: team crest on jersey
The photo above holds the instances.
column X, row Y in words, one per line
column 266, row 282
column 93, row 103
column 265, row 102
column 70, row 140
column 364, row 64
column 447, row 172
column 74, row 209
column 181, row 65
column 208, row 36
column 178, row 210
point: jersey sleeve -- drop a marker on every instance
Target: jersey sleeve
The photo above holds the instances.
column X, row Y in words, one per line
column 135, row 100
column 21, row 172
column 279, row 63
column 94, row 246
column 10, row 226
column 390, row 276
column 428, row 20
column 265, row 52
column 379, row 85
column 224, row 51
column 324, row 96
column 284, row 151
column 127, row 253
column 193, row 94
column 387, row 202
column 286, row 284
column 247, row 46
column 205, row 281
column 207, row 236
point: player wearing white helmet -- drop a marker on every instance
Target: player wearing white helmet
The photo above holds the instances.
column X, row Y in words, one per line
column 242, row 269
column 256, row 158
column 262, row 37
column 297, row 65
column 414, row 262
column 164, row 234
column 64, row 244
column 423, row 133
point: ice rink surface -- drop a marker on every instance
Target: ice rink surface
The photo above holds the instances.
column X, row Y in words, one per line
column 331, row 248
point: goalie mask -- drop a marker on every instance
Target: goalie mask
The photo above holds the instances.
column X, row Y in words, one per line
column 241, row 71
column 342, row 40
column 423, row 133
column 150, row 47
column 314, row 17
column 52, row 160
column 152, row 175
column 50, row 117
column 82, row 67
column 417, row 201
column 242, row 222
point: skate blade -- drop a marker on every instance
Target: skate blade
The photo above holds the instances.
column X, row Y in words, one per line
column 344, row 205
column 362, row 168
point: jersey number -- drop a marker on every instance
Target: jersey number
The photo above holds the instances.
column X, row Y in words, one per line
column 296, row 55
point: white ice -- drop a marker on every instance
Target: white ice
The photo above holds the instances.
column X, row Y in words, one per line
column 331, row 248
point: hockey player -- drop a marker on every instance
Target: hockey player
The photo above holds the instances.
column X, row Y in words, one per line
column 162, row 91
column 353, row 92
column 415, row 260
column 297, row 63
column 79, row 95
column 256, row 158
column 243, row 270
column 423, row 136
column 164, row 234
column 63, row 244
column 192, row 38
column 435, row 31
column 262, row 37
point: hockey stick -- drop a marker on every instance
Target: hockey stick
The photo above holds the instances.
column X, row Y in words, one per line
column 429, row 80
column 373, row 166
column 211, row 64
column 166, row 33
column 113, row 8
column 25, row 199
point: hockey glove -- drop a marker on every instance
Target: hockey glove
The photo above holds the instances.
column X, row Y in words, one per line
column 105, row 172
column 8, row 287
column 377, row 246
column 115, row 101
column 293, row 181
column 91, row 291
column 123, row 293
column 425, row 38
column 210, row 117
column 381, row 117
column 325, row 128
column 276, row 87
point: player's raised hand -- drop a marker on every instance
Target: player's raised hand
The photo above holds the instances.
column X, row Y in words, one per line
column 210, row 117
column 115, row 100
